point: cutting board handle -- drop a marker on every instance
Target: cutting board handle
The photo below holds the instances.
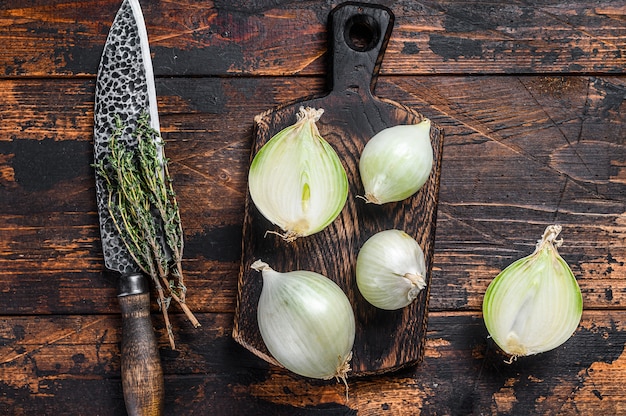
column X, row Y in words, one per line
column 359, row 36
column 142, row 375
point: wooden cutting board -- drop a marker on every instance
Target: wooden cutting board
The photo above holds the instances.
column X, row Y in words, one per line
column 385, row 340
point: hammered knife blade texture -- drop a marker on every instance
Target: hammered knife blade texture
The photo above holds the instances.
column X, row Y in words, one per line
column 125, row 89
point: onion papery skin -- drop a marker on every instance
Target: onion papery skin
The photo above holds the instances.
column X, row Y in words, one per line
column 296, row 180
column 535, row 304
column 396, row 162
column 306, row 322
column 390, row 270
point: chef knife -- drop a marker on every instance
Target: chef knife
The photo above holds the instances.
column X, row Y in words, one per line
column 125, row 89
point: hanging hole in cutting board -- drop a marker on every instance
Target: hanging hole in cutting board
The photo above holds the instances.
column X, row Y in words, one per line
column 362, row 32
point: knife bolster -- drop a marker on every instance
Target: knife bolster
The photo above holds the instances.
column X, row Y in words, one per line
column 133, row 284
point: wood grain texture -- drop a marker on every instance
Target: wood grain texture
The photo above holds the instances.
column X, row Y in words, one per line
column 192, row 38
column 52, row 363
column 488, row 216
column 530, row 95
column 141, row 371
column 385, row 340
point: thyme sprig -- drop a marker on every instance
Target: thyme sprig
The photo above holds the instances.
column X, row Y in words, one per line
column 143, row 206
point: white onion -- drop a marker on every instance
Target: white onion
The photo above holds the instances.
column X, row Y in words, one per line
column 306, row 321
column 535, row 304
column 296, row 180
column 390, row 270
column 396, row 162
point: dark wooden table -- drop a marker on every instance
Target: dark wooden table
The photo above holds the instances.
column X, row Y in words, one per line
column 532, row 99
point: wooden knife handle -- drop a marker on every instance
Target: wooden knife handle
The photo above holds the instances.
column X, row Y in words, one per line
column 142, row 375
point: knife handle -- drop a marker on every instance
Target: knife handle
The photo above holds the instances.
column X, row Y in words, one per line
column 142, row 375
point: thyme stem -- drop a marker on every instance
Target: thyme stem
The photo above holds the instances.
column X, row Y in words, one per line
column 143, row 206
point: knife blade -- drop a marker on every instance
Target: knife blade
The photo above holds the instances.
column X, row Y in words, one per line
column 125, row 88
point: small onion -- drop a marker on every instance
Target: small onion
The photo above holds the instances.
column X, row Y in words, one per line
column 390, row 270
column 396, row 162
column 296, row 180
column 306, row 321
column 534, row 305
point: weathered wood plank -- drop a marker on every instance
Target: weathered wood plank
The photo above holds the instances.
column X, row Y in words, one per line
column 553, row 151
column 520, row 152
column 70, row 365
column 531, row 163
column 190, row 38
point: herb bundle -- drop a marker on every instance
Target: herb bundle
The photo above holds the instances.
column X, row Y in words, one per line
column 143, row 207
